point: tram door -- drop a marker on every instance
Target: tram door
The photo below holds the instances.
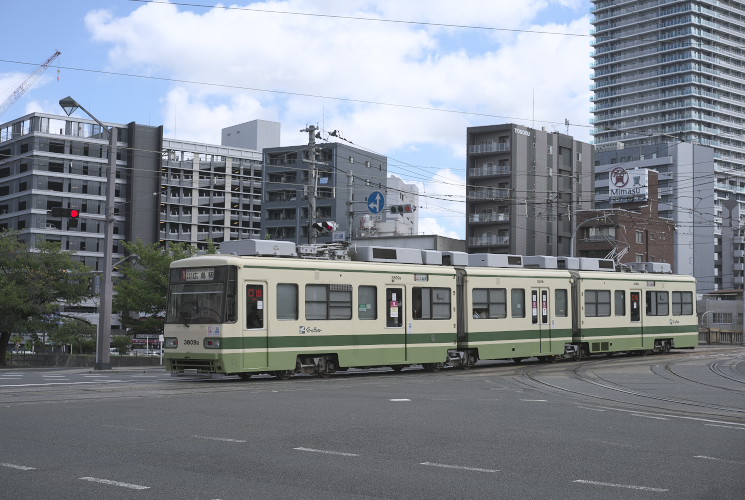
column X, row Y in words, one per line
column 255, row 339
column 636, row 314
column 394, row 314
column 540, row 317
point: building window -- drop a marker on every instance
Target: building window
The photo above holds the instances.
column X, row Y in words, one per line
column 640, row 237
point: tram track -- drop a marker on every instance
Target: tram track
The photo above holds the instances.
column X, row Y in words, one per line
column 582, row 373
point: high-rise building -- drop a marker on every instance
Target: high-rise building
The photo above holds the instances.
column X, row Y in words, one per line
column 524, row 187
column 672, row 71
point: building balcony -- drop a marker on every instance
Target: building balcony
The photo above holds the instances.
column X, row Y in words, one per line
column 490, row 217
column 494, row 170
column 492, row 147
column 484, row 241
column 489, row 194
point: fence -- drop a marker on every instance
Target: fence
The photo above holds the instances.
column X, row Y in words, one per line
column 719, row 336
column 77, row 360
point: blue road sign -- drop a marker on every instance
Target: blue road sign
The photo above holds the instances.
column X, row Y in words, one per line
column 376, row 202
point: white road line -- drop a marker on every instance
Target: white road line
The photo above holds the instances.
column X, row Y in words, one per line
column 459, row 467
column 535, row 400
column 398, row 400
column 62, row 383
column 115, row 483
column 19, row 467
column 627, row 486
column 227, row 440
column 720, row 460
column 726, row 426
column 648, row 416
column 698, row 419
column 588, row 408
column 706, row 458
column 327, row 452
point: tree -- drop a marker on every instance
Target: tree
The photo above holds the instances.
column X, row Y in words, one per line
column 142, row 292
column 75, row 332
column 33, row 283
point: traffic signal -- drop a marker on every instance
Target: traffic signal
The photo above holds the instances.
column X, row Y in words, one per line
column 403, row 209
column 325, row 226
column 71, row 214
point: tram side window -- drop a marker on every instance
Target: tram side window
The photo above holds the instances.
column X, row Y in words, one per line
column 682, row 303
column 597, row 303
column 367, row 305
column 287, row 301
column 435, row 302
column 561, row 303
column 620, row 302
column 517, row 297
column 328, row 302
column 657, row 303
column 254, row 306
column 489, row 303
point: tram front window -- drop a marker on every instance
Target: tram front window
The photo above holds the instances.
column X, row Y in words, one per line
column 196, row 303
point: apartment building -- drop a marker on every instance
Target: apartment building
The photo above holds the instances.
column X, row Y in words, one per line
column 524, row 187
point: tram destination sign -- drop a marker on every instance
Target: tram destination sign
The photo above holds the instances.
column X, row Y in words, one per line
column 199, row 274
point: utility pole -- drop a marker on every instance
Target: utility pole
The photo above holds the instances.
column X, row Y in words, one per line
column 312, row 181
column 350, row 204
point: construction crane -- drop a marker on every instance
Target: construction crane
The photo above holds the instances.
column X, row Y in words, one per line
column 26, row 83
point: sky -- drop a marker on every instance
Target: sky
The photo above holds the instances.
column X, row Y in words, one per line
column 402, row 78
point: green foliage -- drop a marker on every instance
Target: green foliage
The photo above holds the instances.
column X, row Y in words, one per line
column 33, row 282
column 78, row 333
column 122, row 343
column 141, row 293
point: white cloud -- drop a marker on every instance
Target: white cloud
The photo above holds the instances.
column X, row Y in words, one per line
column 267, row 65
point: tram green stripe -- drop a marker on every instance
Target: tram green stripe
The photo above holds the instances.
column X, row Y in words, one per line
column 312, row 341
column 518, row 335
column 588, row 333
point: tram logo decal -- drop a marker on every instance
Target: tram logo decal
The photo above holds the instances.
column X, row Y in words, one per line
column 304, row 329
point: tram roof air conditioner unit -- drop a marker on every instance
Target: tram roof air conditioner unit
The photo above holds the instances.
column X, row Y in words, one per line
column 541, row 262
column 494, row 260
column 273, row 248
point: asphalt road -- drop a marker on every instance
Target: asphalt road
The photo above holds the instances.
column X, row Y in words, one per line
column 665, row 426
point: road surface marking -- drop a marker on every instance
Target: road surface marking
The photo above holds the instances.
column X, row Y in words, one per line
column 115, row 483
column 648, row 416
column 227, row 440
column 706, row 458
column 63, row 383
column 588, row 408
column 726, row 426
column 327, row 452
column 459, row 467
column 627, row 486
column 535, row 400
column 399, row 400
column 698, row 419
column 19, row 467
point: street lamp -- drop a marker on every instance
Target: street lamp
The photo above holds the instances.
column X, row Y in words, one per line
column 103, row 338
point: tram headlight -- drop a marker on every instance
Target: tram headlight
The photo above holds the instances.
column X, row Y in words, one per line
column 211, row 343
column 170, row 342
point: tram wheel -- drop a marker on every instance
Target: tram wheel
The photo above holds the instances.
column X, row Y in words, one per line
column 397, row 368
column 244, row 376
column 517, row 360
column 432, row 367
column 283, row 374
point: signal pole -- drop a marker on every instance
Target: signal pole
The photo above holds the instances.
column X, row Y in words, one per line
column 312, row 175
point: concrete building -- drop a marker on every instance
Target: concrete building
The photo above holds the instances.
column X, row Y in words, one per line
column 346, row 178
column 672, row 71
column 686, row 196
column 632, row 231
column 166, row 190
column 524, row 187
column 401, row 215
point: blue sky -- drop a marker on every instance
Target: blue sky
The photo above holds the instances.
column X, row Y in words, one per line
column 405, row 90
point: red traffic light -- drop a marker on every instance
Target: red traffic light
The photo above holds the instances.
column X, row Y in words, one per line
column 71, row 213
